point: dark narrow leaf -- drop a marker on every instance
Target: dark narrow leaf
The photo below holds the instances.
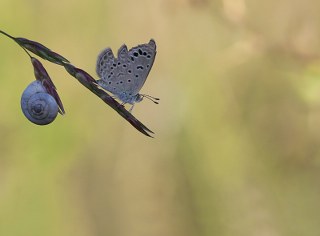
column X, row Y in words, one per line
column 42, row 75
column 41, row 51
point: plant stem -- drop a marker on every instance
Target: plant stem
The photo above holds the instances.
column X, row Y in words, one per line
column 14, row 39
column 8, row 35
column 83, row 77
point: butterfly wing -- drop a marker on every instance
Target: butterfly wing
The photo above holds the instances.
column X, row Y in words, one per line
column 140, row 59
column 112, row 70
column 104, row 61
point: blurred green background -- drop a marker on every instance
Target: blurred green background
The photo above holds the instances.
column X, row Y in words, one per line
column 237, row 132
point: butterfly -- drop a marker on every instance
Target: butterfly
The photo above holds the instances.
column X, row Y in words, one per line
column 125, row 75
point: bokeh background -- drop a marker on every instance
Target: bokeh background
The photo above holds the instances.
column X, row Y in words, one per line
column 237, row 133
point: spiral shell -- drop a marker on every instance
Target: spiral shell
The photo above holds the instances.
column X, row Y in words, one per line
column 37, row 105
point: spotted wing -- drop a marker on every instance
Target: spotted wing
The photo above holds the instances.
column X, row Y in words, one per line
column 112, row 71
column 104, row 62
column 140, row 60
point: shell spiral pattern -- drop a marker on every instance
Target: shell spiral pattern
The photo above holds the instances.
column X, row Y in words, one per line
column 37, row 105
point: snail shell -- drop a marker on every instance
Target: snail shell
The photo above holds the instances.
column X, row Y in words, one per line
column 37, row 105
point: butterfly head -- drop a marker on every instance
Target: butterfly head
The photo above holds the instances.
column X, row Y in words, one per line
column 129, row 98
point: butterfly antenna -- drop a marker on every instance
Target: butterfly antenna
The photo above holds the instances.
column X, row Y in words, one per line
column 153, row 99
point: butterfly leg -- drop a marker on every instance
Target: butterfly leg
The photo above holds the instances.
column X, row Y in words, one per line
column 123, row 103
column 131, row 108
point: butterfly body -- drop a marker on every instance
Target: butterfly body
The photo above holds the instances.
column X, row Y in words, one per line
column 125, row 75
